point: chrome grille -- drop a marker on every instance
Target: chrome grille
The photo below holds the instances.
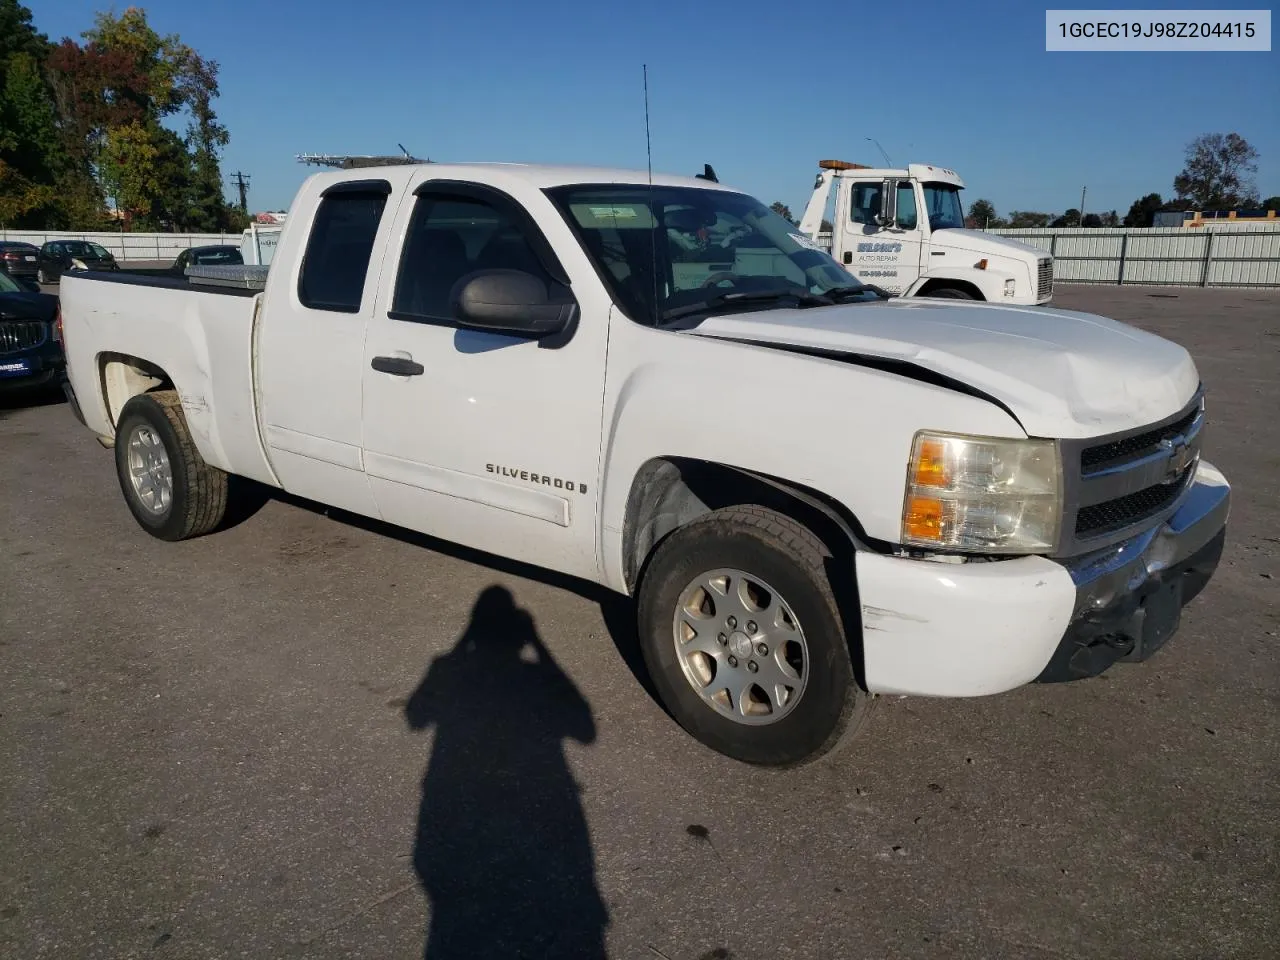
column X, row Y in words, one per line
column 1120, row 485
column 18, row 335
column 1044, row 281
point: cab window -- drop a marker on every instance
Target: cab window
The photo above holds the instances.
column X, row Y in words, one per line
column 906, row 211
column 340, row 246
column 866, row 202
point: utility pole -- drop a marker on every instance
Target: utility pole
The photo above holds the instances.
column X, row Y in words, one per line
column 1083, row 190
column 242, row 183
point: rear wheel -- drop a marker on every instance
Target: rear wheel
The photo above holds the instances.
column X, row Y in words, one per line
column 170, row 490
column 744, row 640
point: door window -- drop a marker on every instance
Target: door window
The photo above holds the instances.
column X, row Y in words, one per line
column 866, row 202
column 449, row 238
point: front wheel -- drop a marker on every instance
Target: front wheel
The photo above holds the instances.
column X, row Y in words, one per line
column 950, row 293
column 170, row 490
column 743, row 638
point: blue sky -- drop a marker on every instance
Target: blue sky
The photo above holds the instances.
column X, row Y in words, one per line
column 761, row 90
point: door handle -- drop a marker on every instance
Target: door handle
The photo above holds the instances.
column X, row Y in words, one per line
column 398, row 366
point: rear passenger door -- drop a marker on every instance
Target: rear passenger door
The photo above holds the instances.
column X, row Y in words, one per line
column 311, row 340
column 484, row 439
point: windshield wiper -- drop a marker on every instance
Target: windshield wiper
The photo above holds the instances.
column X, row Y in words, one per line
column 748, row 298
column 838, row 294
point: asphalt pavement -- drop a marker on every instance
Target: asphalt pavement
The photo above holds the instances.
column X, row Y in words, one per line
column 311, row 737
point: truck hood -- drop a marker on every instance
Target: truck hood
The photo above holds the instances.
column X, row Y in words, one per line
column 975, row 241
column 1063, row 374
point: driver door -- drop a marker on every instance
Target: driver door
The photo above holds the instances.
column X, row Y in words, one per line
column 483, row 439
column 888, row 257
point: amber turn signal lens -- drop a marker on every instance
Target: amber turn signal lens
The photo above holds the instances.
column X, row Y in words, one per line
column 923, row 520
column 931, row 465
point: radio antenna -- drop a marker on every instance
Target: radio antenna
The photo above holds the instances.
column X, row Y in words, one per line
column 653, row 214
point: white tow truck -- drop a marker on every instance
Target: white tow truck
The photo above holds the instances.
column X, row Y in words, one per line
column 815, row 493
column 904, row 231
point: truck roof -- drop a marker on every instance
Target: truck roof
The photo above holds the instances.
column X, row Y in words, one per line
column 538, row 175
column 924, row 172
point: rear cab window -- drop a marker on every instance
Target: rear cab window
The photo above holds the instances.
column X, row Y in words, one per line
column 340, row 246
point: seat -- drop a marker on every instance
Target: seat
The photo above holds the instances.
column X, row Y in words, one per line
column 437, row 260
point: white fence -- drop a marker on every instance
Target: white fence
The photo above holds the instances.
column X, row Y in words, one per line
column 129, row 246
column 1242, row 255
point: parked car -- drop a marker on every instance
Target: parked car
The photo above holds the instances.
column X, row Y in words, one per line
column 58, row 256
column 19, row 259
column 30, row 341
column 215, row 255
column 814, row 492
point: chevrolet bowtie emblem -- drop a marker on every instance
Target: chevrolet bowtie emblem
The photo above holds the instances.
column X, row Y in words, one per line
column 1181, row 456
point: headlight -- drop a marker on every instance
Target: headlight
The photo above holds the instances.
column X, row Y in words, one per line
column 982, row 494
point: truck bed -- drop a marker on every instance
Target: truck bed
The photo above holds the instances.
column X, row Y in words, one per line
column 195, row 335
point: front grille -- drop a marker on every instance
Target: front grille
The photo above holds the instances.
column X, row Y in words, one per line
column 1104, row 455
column 18, row 335
column 1120, row 485
column 1044, row 281
column 1112, row 515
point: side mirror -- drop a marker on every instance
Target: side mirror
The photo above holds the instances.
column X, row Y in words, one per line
column 888, row 215
column 513, row 302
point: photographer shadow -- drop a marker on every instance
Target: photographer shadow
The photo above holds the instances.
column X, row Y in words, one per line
column 503, row 851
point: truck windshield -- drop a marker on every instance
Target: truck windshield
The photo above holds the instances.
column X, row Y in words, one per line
column 667, row 251
column 942, row 201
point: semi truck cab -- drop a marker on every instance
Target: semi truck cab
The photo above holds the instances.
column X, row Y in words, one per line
column 904, row 231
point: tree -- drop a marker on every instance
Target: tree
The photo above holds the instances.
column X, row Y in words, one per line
column 1111, row 219
column 1020, row 219
column 1219, row 172
column 1271, row 203
column 81, row 122
column 1091, row 220
column 782, row 210
column 1069, row 219
column 982, row 213
column 827, row 226
column 30, row 159
column 1143, row 211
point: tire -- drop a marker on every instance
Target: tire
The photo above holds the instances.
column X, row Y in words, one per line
column 41, row 276
column 153, row 430
column 950, row 293
column 789, row 562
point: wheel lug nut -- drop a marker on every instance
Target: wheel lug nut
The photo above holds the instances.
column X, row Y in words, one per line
column 762, row 649
column 724, row 639
column 733, row 661
column 751, row 626
column 732, row 623
column 752, row 666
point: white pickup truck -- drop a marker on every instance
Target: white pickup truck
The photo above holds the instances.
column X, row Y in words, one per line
column 814, row 493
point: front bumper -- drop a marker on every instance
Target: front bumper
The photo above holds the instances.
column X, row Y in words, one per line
column 1129, row 598
column 31, row 369
column 972, row 629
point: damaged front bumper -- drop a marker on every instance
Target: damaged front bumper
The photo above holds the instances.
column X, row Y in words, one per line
column 973, row 629
column 1129, row 598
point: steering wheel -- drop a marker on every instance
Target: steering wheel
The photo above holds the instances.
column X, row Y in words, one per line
column 720, row 277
